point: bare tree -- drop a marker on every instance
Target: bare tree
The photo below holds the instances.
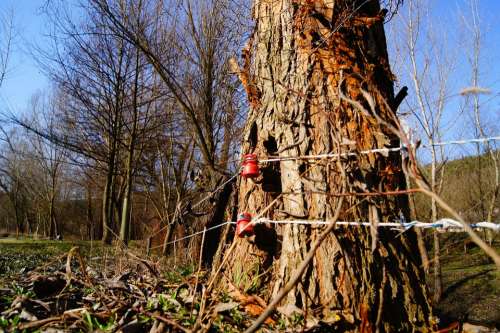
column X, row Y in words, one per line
column 114, row 96
column 152, row 43
column 97, row 73
column 6, row 40
column 195, row 74
column 168, row 177
column 12, row 182
column 33, row 169
column 309, row 69
column 427, row 62
column 473, row 45
column 143, row 126
column 47, row 157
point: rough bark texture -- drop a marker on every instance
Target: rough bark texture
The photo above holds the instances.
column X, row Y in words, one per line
column 293, row 65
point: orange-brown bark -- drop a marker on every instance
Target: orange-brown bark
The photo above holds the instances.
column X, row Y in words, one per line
column 303, row 52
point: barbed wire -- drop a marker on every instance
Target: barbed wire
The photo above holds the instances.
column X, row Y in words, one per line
column 324, row 156
column 378, row 150
column 443, row 225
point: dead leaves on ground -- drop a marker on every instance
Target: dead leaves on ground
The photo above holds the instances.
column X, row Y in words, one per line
column 253, row 304
column 130, row 295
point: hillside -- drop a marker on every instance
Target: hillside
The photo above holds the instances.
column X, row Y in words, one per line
column 468, row 186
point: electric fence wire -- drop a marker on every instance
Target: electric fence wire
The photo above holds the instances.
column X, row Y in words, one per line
column 443, row 223
column 377, row 150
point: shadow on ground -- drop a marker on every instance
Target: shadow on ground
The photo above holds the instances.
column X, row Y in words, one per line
column 471, row 290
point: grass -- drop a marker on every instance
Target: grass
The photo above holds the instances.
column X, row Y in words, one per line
column 471, row 287
column 18, row 256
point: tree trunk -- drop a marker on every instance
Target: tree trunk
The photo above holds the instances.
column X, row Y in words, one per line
column 129, row 174
column 107, row 208
column 419, row 232
column 293, row 67
column 213, row 237
column 19, row 220
column 168, row 235
column 90, row 218
column 438, row 281
column 54, row 230
column 127, row 196
column 109, row 194
column 125, row 218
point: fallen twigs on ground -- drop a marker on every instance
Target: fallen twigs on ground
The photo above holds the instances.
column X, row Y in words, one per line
column 132, row 294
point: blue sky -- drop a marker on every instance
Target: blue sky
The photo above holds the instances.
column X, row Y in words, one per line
column 446, row 26
column 25, row 79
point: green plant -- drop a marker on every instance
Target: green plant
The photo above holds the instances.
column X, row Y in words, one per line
column 21, row 291
column 150, row 305
column 165, row 304
column 297, row 319
column 224, row 297
column 281, row 324
column 6, row 299
column 93, row 323
column 15, row 320
column 237, row 316
column 88, row 290
column 143, row 319
column 249, row 280
column 4, row 322
column 224, row 327
column 186, row 270
column 173, row 276
column 9, row 324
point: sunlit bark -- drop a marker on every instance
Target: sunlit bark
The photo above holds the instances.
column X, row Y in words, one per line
column 300, row 55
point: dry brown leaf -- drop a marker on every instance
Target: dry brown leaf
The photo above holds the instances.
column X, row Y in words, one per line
column 253, row 304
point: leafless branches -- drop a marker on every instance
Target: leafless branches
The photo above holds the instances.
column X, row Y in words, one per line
column 6, row 41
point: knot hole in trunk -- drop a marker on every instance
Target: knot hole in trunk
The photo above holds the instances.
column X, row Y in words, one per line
column 271, row 175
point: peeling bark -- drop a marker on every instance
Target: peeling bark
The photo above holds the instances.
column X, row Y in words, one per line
column 299, row 54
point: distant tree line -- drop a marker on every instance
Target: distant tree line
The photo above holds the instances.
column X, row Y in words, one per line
column 143, row 117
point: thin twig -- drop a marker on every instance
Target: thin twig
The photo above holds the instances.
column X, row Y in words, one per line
column 167, row 321
column 199, row 265
column 38, row 323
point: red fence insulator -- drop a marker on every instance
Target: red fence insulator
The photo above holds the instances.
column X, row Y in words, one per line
column 244, row 226
column 250, row 166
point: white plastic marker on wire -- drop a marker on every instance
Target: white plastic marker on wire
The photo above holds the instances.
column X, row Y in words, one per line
column 443, row 224
column 463, row 142
column 440, row 224
column 378, row 150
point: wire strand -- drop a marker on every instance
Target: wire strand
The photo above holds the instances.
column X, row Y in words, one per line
column 378, row 150
column 445, row 225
